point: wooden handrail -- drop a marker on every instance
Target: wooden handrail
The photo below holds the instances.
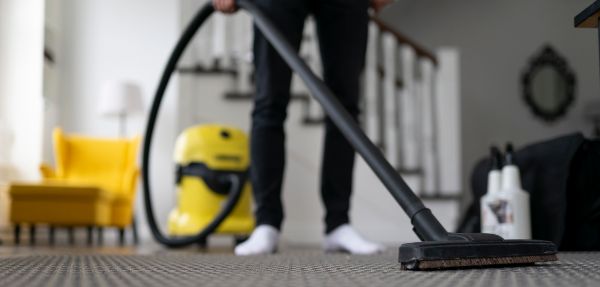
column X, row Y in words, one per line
column 419, row 50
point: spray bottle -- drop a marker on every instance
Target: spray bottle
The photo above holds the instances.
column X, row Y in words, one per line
column 507, row 212
column 489, row 222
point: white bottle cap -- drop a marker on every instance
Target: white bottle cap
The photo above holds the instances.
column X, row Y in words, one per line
column 511, row 178
column 494, row 181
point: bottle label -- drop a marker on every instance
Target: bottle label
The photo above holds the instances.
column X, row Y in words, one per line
column 498, row 217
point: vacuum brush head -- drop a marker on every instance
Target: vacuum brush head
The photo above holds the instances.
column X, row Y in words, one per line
column 433, row 255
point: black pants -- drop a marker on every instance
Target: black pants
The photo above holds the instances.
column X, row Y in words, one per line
column 342, row 27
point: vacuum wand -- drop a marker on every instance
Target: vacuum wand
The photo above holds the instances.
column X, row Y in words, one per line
column 425, row 224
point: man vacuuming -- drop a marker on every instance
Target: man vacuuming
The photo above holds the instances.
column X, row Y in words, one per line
column 342, row 27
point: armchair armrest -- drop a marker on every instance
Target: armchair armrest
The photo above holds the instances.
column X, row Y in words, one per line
column 47, row 171
column 130, row 180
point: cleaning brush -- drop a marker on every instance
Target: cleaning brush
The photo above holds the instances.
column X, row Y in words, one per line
column 480, row 251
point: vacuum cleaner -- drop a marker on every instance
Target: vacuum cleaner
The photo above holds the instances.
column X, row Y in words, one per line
column 439, row 248
column 206, row 156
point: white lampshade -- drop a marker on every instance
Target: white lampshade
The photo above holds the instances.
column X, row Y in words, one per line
column 120, row 98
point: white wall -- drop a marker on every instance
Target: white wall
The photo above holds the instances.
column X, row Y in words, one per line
column 21, row 65
column 110, row 39
column 496, row 40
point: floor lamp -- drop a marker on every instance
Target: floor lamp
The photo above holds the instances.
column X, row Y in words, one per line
column 120, row 99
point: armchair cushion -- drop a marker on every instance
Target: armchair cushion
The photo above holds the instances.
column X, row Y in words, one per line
column 59, row 204
column 56, row 191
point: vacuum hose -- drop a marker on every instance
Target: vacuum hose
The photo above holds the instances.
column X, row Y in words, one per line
column 425, row 224
column 237, row 183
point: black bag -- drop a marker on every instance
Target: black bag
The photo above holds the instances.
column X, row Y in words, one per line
column 562, row 177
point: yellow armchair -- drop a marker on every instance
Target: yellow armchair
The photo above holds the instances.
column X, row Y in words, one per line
column 108, row 165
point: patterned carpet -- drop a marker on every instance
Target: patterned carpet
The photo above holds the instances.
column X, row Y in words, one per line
column 288, row 268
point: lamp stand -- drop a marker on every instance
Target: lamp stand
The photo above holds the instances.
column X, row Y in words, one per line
column 122, row 125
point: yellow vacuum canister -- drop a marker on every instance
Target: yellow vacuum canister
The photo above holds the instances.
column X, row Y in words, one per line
column 205, row 155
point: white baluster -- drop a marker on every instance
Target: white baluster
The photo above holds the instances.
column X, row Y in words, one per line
column 447, row 111
column 371, row 84
column 390, row 98
column 202, row 46
column 430, row 164
column 244, row 70
column 410, row 110
column 311, row 50
column 297, row 86
column 220, row 39
column 200, row 50
column 243, row 34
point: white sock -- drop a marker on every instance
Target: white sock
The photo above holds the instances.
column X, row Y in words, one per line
column 264, row 240
column 346, row 238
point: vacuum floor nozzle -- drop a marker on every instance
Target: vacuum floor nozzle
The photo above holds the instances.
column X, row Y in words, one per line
column 433, row 255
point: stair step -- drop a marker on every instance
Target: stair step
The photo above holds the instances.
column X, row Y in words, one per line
column 247, row 96
column 437, row 196
column 310, row 121
column 307, row 120
column 203, row 71
column 409, row 171
column 381, row 74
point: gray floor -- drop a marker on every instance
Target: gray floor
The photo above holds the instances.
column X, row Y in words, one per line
column 288, row 268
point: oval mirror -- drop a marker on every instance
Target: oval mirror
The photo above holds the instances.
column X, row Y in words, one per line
column 548, row 85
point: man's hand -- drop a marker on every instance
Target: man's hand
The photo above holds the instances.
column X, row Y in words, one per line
column 379, row 4
column 225, row 6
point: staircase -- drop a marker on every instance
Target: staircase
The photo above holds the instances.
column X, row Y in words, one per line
column 410, row 110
